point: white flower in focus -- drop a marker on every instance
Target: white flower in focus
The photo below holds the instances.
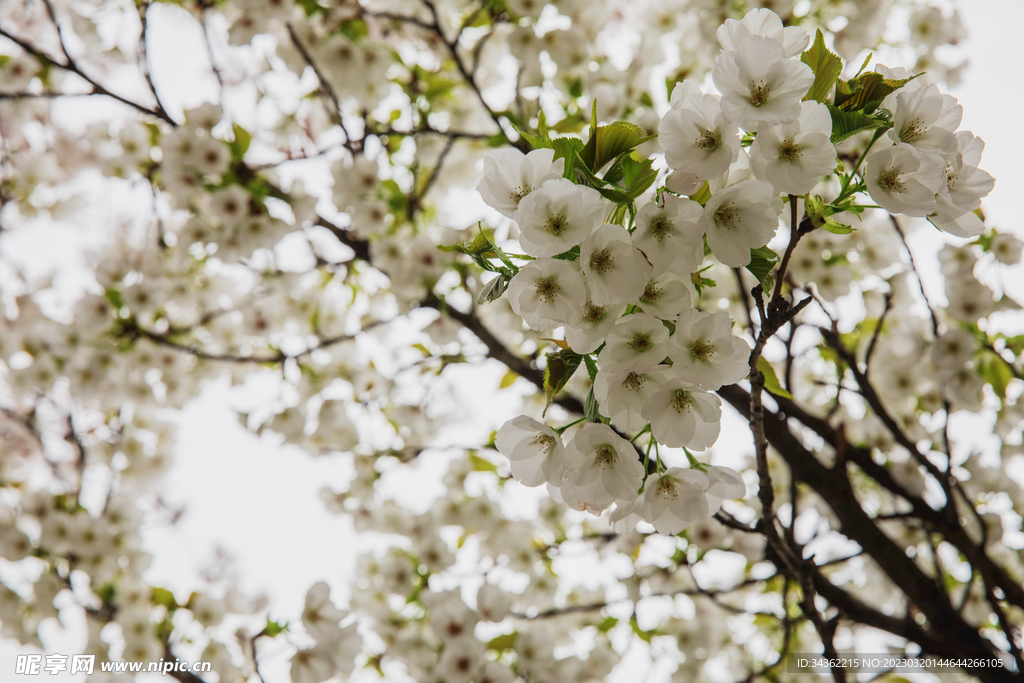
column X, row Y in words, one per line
column 794, row 156
column 759, row 84
column 510, row 175
column 548, row 293
column 705, row 352
column 926, row 119
column 681, row 415
column 902, row 180
column 726, row 484
column 598, row 456
column 696, row 136
column 589, row 333
column 616, row 270
column 674, row 499
column 667, row 295
column 671, row 234
column 637, row 343
column 534, row 451
column 741, row 217
column 622, row 395
column 966, row 185
column 558, row 216
column 763, row 22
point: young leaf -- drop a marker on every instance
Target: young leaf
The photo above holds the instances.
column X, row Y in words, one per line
column 762, row 262
column 866, row 91
column 826, row 67
column 559, row 370
column 847, row 123
column 771, row 380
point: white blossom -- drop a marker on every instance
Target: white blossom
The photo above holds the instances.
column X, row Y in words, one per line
column 670, row 234
column 558, row 216
column 674, row 499
column 696, row 136
column 598, row 456
column 794, row 156
column 637, row 343
column 741, row 217
column 548, row 293
column 616, row 270
column 510, row 175
column 704, row 351
column 681, row 415
column 534, row 450
column 902, row 180
column 759, row 84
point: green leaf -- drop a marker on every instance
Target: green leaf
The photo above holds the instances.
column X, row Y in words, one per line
column 866, row 91
column 508, row 379
column 481, row 244
column 608, row 142
column 826, row 67
column 771, row 380
column 571, row 255
column 591, row 409
column 762, row 262
column 506, row 641
column 495, row 288
column 273, row 628
column 847, row 123
column 240, row 145
column 607, row 624
column 557, row 373
column 638, row 175
column 616, row 138
column 835, row 227
column 997, row 373
column 536, row 141
column 482, row 464
column 162, row 596
column 641, row 633
column 568, row 148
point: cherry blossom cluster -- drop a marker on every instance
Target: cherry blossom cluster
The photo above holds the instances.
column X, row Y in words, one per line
column 240, row 261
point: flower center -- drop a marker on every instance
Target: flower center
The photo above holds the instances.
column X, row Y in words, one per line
column 708, row 141
column 545, row 441
column 912, row 130
column 604, row 455
column 557, row 224
column 702, row 350
column 594, row 314
column 660, row 228
column 601, row 261
column 652, row 292
column 890, row 181
column 667, row 488
column 634, row 382
column 547, row 288
column 789, row 151
column 641, row 342
column 759, row 94
column 681, row 401
column 520, row 192
column 726, row 217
